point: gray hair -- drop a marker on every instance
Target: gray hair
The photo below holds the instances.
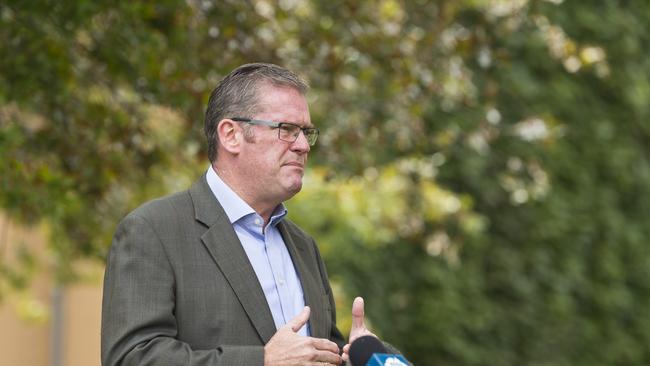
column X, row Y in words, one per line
column 236, row 96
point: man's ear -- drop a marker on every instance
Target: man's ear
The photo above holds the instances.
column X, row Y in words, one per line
column 230, row 135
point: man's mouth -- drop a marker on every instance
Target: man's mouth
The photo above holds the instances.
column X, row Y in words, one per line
column 296, row 164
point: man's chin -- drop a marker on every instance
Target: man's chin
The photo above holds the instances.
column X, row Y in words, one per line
column 293, row 188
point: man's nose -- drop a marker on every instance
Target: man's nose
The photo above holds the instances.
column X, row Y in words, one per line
column 301, row 144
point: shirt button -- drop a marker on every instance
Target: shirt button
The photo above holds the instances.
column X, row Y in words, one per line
column 258, row 221
column 281, row 282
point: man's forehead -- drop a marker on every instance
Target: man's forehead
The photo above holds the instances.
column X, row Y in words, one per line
column 284, row 106
column 279, row 116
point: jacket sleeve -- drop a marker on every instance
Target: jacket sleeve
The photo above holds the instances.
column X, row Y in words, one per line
column 138, row 315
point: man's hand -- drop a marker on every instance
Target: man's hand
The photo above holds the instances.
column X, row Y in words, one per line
column 358, row 326
column 286, row 348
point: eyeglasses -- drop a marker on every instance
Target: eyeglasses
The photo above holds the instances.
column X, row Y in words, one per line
column 288, row 132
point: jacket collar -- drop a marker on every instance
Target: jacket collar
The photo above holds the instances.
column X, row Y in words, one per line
column 222, row 243
column 224, row 246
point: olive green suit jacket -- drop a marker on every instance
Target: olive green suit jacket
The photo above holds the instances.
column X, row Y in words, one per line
column 180, row 290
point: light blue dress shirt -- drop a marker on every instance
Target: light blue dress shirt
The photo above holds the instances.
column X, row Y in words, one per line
column 266, row 251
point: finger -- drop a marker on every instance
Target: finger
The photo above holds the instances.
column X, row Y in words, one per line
column 300, row 319
column 325, row 345
column 358, row 313
column 346, row 350
column 328, row 357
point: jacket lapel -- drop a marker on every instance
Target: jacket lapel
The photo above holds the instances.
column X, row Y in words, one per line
column 224, row 246
column 317, row 321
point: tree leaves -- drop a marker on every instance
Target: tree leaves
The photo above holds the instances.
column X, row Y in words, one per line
column 482, row 175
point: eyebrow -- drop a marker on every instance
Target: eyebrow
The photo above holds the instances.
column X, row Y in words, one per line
column 310, row 125
column 241, row 119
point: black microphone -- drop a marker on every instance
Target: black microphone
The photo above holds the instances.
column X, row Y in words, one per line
column 369, row 351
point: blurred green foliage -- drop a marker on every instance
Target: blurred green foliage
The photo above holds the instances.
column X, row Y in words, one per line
column 482, row 179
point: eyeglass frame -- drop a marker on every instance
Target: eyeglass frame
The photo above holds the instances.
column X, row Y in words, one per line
column 273, row 124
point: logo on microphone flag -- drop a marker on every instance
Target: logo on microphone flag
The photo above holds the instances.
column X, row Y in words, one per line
column 383, row 359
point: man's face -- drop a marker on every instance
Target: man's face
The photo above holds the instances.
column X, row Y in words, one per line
column 276, row 167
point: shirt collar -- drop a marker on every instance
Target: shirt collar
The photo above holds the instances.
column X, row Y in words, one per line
column 234, row 206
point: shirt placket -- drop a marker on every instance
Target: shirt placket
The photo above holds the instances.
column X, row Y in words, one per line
column 277, row 261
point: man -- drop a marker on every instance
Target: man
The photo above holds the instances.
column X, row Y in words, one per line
column 216, row 275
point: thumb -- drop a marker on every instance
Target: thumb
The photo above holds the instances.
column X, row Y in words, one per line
column 358, row 313
column 300, row 319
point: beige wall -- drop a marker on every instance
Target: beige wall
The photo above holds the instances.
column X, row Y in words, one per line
column 26, row 316
column 21, row 342
column 82, row 317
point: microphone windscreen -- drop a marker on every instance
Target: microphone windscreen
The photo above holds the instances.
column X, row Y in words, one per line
column 363, row 348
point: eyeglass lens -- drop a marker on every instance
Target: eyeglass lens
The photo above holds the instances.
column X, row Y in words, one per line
column 290, row 132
